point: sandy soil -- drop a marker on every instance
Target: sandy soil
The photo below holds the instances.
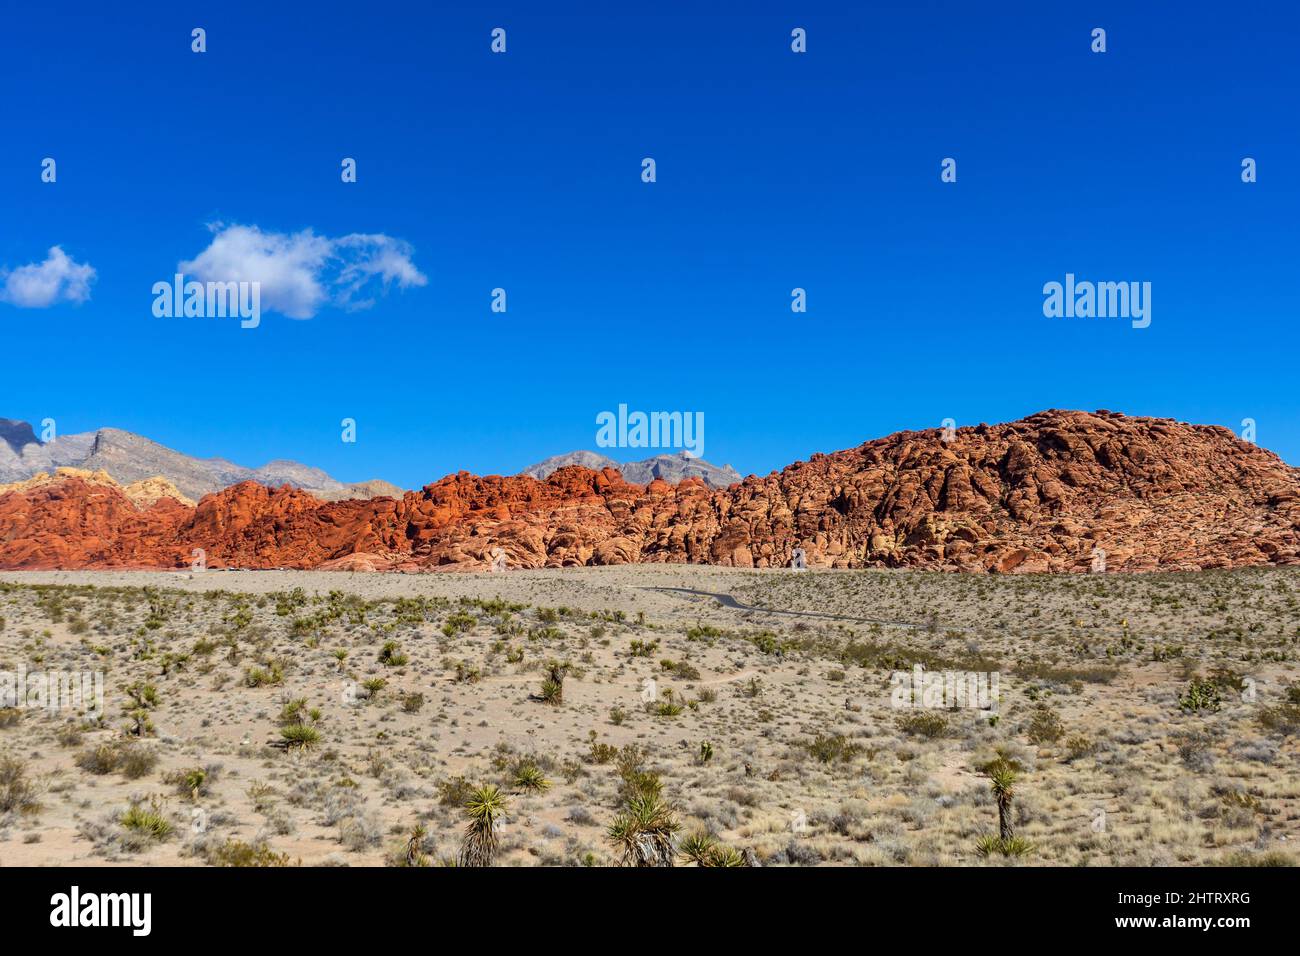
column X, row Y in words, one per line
column 1152, row 718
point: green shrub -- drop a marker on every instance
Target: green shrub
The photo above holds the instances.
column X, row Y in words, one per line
column 17, row 794
column 101, row 759
column 1045, row 726
column 1078, row 747
column 1201, row 695
column 273, row 673
column 458, row 623
column 238, row 853
column 192, row 783
column 454, row 792
column 137, row 761
column 832, row 748
column 1281, row 719
column 467, row 673
column 151, row 822
column 923, row 723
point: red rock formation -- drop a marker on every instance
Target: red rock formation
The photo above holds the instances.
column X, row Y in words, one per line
column 1047, row 493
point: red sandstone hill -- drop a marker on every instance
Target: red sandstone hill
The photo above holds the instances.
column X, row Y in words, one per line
column 1047, row 493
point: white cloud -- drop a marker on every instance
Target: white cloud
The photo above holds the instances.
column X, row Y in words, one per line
column 301, row 272
column 39, row 285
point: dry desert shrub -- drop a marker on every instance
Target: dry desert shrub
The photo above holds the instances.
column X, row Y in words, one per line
column 17, row 792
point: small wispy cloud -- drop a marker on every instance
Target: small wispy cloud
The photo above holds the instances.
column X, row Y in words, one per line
column 39, row 285
column 302, row 272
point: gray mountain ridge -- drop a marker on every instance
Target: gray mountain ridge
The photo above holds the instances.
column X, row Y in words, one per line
column 671, row 468
column 128, row 457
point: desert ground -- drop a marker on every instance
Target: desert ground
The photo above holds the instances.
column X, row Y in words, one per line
column 316, row 718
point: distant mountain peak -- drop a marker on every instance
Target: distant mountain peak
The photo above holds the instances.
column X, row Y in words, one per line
column 671, row 467
column 129, row 458
column 16, row 434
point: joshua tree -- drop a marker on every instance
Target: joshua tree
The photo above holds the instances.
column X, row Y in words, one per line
column 553, row 685
column 143, row 698
column 643, row 834
column 485, row 807
column 1002, row 771
column 194, row 781
column 1003, row 779
column 414, row 854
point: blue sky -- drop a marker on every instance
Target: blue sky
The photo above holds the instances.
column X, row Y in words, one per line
column 775, row 170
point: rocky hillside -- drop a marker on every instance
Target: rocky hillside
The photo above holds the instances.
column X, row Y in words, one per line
column 1058, row 491
column 142, row 493
column 128, row 458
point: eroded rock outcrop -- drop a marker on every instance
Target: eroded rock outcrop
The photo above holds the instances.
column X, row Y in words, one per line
column 143, row 492
column 1058, row 491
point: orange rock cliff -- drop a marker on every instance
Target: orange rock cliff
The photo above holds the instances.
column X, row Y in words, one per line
column 1051, row 492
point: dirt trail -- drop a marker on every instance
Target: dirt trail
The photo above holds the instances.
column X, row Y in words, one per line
column 726, row 600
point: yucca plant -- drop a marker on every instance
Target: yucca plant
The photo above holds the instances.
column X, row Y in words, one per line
column 486, row 807
column 414, row 854
column 1002, row 781
column 990, row 845
column 467, row 673
column 727, row 857
column 144, row 698
column 151, row 822
column 141, row 725
column 194, row 782
column 643, row 834
column 553, row 685
column 698, row 848
column 391, row 655
column 299, row 736
column 668, row 707
column 293, row 711
column 552, row 692
column 530, row 779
